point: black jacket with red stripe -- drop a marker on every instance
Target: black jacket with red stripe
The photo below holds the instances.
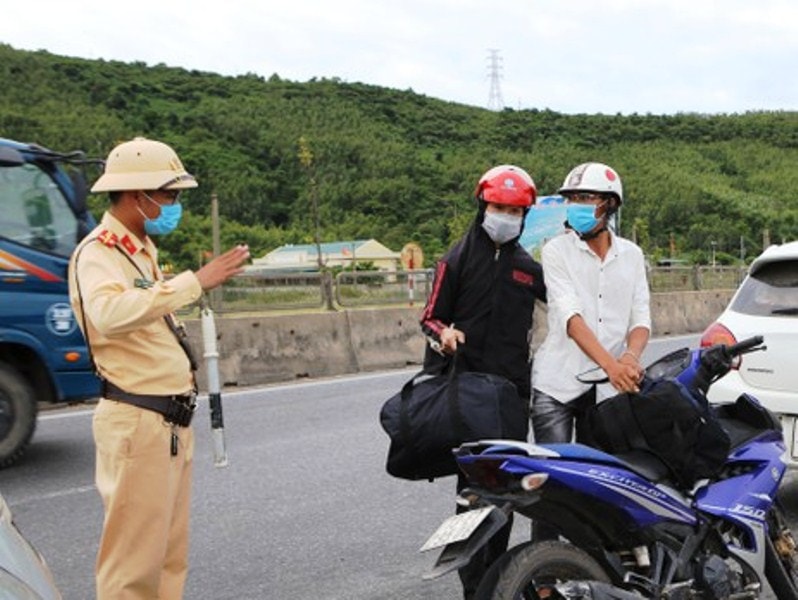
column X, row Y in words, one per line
column 489, row 294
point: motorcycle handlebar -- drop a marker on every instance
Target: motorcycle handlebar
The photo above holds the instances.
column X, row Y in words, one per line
column 748, row 345
column 717, row 360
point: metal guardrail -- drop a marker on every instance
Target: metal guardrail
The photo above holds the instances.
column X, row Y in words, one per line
column 259, row 292
column 369, row 288
column 695, row 278
column 274, row 291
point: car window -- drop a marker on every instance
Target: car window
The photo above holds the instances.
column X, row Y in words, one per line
column 772, row 290
column 35, row 212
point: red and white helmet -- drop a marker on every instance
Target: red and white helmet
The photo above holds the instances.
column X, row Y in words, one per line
column 593, row 177
column 507, row 184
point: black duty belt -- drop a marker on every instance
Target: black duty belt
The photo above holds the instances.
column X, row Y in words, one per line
column 176, row 409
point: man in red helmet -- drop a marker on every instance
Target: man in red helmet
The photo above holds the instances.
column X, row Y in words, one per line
column 481, row 307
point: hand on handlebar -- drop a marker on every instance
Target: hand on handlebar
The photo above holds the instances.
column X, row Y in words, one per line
column 625, row 374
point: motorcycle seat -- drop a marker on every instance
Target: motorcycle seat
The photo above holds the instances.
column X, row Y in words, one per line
column 646, row 464
column 642, row 462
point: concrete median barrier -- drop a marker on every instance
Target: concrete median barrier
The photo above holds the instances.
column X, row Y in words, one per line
column 258, row 349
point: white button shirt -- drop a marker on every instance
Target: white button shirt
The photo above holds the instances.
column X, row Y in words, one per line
column 611, row 296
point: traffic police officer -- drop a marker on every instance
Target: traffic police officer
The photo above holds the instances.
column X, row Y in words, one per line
column 144, row 443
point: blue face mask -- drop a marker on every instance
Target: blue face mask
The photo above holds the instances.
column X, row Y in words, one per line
column 166, row 222
column 582, row 217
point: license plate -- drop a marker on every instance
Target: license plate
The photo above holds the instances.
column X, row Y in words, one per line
column 457, row 528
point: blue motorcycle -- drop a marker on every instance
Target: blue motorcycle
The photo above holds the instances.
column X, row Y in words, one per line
column 627, row 529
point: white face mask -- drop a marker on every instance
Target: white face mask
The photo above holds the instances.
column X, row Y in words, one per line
column 501, row 227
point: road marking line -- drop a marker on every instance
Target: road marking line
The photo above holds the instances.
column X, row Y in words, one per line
column 49, row 496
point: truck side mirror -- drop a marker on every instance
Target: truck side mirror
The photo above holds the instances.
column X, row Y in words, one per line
column 10, row 157
column 81, row 192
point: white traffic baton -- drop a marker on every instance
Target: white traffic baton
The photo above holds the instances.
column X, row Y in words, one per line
column 214, row 394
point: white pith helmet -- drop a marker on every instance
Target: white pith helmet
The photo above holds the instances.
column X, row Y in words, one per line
column 143, row 164
column 593, row 177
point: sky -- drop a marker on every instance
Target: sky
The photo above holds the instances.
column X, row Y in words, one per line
column 569, row 56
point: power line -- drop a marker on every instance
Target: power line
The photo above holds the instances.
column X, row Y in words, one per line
column 495, row 100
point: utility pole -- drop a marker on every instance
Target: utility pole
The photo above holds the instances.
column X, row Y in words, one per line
column 305, row 155
column 495, row 100
column 217, row 246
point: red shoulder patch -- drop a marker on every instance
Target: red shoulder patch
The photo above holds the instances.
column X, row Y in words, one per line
column 107, row 238
column 523, row 278
column 128, row 245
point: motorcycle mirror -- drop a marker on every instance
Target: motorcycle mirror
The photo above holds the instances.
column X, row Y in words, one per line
column 594, row 375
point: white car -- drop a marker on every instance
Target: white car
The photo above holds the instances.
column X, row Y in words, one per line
column 766, row 304
column 23, row 573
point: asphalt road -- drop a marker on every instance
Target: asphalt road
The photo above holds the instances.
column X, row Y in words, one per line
column 304, row 509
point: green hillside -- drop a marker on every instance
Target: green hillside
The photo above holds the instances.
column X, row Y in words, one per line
column 399, row 166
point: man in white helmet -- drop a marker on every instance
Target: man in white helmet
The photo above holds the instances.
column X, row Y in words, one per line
column 141, row 424
column 598, row 309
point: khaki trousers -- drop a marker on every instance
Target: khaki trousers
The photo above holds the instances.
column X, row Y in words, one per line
column 146, row 493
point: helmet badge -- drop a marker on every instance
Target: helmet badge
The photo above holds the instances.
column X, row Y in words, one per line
column 509, row 182
column 575, row 177
column 610, row 175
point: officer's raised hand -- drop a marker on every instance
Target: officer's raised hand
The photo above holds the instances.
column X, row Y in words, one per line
column 223, row 267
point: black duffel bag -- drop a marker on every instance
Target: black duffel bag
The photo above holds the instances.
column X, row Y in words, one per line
column 435, row 413
column 665, row 420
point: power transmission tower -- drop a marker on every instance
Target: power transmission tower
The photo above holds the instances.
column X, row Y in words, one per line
column 495, row 100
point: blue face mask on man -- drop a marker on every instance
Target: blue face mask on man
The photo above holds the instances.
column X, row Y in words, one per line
column 167, row 221
column 582, row 217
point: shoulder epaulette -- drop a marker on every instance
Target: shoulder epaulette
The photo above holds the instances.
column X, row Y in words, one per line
column 128, row 245
column 107, row 238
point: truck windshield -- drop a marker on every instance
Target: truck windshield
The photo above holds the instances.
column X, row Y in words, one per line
column 34, row 212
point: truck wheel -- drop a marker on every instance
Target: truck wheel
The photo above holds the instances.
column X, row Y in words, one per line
column 18, row 410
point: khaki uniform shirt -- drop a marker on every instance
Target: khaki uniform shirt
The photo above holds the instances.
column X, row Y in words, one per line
column 131, row 343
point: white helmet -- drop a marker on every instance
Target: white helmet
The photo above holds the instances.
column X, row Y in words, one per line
column 143, row 164
column 593, row 177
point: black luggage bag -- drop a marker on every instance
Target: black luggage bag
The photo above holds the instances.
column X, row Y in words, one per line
column 435, row 413
column 665, row 420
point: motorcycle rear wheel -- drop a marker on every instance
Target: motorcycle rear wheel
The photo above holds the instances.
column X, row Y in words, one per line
column 532, row 569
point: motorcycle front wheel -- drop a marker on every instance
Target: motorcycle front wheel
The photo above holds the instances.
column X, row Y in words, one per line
column 531, row 570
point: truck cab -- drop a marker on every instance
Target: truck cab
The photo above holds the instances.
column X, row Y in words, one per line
column 43, row 355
